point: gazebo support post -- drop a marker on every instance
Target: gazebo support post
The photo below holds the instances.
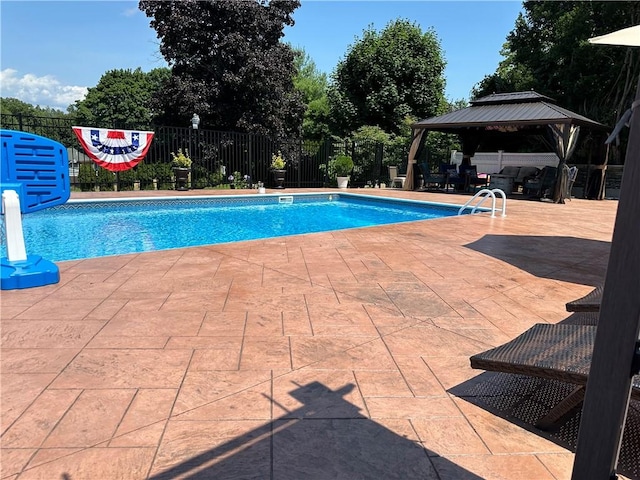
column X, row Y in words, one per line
column 616, row 352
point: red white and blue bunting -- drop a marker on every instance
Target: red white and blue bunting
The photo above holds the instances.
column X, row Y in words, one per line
column 115, row 150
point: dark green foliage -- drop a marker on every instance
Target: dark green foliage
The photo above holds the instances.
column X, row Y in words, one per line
column 105, row 180
column 228, row 64
column 14, row 106
column 312, row 84
column 203, row 178
column 371, row 146
column 86, row 177
column 47, row 122
column 126, row 180
column 145, row 173
column 438, row 148
column 386, row 77
column 121, row 99
column 343, row 165
column 164, row 176
column 548, row 52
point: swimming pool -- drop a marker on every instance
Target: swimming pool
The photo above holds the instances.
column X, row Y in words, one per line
column 85, row 229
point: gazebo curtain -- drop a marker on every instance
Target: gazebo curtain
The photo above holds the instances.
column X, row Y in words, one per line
column 562, row 137
column 413, row 150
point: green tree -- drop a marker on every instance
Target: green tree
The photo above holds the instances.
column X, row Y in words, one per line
column 121, row 99
column 13, row 106
column 228, row 64
column 510, row 76
column 45, row 121
column 386, row 77
column 312, row 84
column 548, row 52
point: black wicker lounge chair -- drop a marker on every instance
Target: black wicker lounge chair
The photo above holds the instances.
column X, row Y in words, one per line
column 581, row 318
column 589, row 303
column 556, row 352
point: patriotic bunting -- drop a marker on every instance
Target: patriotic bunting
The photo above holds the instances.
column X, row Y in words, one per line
column 115, row 150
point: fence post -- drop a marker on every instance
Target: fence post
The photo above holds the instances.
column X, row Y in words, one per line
column 328, row 152
column 300, row 163
column 379, row 157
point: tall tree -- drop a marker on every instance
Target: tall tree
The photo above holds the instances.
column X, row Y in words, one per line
column 228, row 63
column 510, row 76
column 548, row 51
column 312, row 84
column 388, row 76
column 121, row 98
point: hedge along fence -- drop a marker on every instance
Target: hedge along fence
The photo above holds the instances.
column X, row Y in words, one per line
column 216, row 155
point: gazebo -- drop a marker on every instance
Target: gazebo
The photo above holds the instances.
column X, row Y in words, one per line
column 502, row 115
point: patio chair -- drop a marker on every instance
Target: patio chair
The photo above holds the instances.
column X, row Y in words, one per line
column 473, row 180
column 504, row 179
column 539, row 185
column 589, row 303
column 454, row 178
column 431, row 179
column 581, row 318
column 524, row 174
column 551, row 351
column 573, row 174
column 397, row 181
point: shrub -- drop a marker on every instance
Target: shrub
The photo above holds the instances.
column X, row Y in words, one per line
column 146, row 173
column 126, row 180
column 342, row 165
column 200, row 177
column 164, row 176
column 86, row 177
column 105, row 180
column 238, row 180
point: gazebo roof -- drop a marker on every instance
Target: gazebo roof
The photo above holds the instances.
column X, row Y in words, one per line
column 507, row 112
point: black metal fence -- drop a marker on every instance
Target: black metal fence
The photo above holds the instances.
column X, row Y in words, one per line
column 217, row 158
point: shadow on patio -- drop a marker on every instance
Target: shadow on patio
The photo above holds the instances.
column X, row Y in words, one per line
column 327, row 437
column 524, row 400
column 568, row 259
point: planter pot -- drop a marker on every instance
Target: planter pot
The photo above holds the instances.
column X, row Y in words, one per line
column 343, row 182
column 278, row 176
column 182, row 178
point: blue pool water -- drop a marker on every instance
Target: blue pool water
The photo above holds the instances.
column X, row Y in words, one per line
column 95, row 229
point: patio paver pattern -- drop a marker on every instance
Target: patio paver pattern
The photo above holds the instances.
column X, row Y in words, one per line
column 321, row 356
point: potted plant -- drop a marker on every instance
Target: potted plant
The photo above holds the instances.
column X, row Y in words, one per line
column 278, row 165
column 181, row 164
column 342, row 166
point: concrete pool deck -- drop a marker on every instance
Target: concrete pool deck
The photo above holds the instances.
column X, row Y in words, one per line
column 319, row 356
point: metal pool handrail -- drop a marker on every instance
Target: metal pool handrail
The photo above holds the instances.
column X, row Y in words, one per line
column 482, row 195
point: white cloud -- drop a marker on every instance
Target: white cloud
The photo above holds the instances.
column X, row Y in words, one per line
column 45, row 91
column 130, row 12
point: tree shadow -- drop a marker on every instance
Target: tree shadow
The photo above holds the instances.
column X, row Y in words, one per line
column 326, row 438
column 569, row 259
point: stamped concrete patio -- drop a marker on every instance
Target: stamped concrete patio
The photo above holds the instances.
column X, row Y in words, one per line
column 321, row 356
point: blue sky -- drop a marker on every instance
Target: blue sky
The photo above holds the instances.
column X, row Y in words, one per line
column 52, row 51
